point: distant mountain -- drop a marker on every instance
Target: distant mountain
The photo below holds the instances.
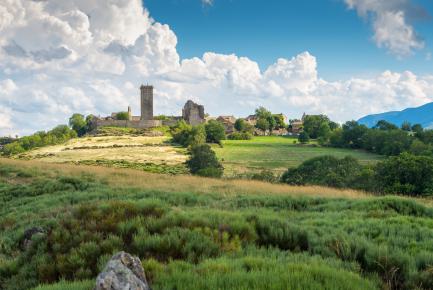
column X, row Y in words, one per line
column 421, row 115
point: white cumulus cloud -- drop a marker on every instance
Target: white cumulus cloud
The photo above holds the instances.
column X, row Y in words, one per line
column 58, row 57
column 391, row 28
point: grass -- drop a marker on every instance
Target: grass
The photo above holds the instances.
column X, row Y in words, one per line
column 196, row 233
column 154, row 154
column 181, row 183
column 65, row 285
column 277, row 153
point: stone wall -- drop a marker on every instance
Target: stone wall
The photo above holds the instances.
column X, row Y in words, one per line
column 193, row 113
column 142, row 124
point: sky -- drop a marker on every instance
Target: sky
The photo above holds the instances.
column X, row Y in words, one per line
column 343, row 58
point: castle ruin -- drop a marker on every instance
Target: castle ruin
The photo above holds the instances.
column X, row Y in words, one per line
column 146, row 102
column 192, row 113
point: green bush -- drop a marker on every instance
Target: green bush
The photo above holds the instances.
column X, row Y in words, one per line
column 187, row 135
column 325, row 170
column 405, row 174
column 215, row 132
column 304, row 137
column 122, row 116
column 203, row 161
column 240, row 136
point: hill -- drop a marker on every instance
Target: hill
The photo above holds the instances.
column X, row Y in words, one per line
column 277, row 153
column 197, row 233
column 421, row 115
column 115, row 147
column 119, row 149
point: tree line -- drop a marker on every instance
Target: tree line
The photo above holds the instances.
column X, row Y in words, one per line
column 405, row 174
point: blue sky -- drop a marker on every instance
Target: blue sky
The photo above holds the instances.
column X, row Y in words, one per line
column 342, row 58
column 267, row 30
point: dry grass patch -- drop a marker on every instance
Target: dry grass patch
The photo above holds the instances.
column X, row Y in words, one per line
column 137, row 149
column 183, row 183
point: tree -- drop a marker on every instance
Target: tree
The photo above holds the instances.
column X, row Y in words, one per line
column 78, row 124
column 279, row 121
column 263, row 113
column 324, row 133
column 215, row 132
column 204, row 162
column 122, row 116
column 240, row 125
column 272, row 123
column 385, row 125
column 304, row 137
column 353, row 133
column 333, row 125
column 406, row 126
column 417, row 128
column 405, row 174
column 312, row 124
column 197, row 136
column 325, row 170
column 187, row 135
column 262, row 124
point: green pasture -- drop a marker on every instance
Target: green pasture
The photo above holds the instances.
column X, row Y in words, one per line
column 277, row 153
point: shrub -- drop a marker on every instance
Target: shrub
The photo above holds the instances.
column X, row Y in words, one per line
column 204, row 161
column 405, row 174
column 324, row 170
column 303, row 137
column 122, row 116
column 265, row 175
column 215, row 132
column 187, row 135
column 240, row 136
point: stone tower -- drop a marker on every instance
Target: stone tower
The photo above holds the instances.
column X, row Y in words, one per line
column 146, row 102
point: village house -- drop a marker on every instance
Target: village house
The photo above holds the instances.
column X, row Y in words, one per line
column 228, row 122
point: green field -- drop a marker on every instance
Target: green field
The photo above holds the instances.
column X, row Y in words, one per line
column 196, row 233
column 277, row 153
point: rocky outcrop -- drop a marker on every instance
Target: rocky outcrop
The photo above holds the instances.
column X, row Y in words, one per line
column 122, row 272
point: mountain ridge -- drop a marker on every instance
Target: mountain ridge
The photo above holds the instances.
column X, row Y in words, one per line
column 418, row 115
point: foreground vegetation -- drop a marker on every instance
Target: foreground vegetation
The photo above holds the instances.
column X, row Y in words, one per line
column 194, row 233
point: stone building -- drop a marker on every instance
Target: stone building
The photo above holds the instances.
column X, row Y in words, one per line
column 297, row 125
column 193, row 113
column 146, row 102
column 251, row 119
column 145, row 120
column 228, row 122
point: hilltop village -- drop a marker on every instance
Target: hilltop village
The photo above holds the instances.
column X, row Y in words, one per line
column 192, row 113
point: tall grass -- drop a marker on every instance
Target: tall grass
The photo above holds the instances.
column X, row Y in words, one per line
column 207, row 236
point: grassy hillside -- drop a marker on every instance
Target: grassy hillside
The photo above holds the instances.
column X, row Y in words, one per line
column 195, row 233
column 154, row 154
column 277, row 153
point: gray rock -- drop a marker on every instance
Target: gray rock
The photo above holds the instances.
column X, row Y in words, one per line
column 122, row 272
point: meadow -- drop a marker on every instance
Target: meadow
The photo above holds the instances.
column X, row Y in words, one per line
column 154, row 154
column 198, row 233
column 277, row 153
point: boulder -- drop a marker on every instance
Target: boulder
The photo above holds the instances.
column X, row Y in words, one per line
column 122, row 272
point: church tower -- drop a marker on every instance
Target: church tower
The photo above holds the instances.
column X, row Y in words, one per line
column 146, row 102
